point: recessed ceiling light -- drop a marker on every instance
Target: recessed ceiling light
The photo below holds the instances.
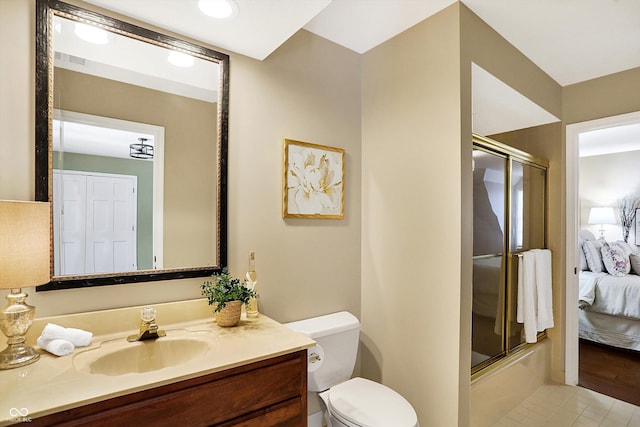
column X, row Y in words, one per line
column 220, row 9
column 180, row 59
column 91, row 34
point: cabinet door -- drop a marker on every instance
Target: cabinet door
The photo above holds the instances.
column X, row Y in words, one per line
column 272, row 392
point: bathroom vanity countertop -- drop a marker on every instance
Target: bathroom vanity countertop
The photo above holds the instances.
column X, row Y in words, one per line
column 53, row 384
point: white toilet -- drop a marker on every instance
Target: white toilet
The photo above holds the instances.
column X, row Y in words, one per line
column 355, row 402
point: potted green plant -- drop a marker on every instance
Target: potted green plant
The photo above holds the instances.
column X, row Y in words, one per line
column 227, row 294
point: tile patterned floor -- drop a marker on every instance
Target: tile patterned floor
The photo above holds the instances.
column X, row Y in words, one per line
column 564, row 406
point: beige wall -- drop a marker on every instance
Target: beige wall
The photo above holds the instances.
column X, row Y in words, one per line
column 484, row 46
column 488, row 49
column 411, row 218
column 602, row 97
column 413, row 97
column 308, row 90
column 17, row 76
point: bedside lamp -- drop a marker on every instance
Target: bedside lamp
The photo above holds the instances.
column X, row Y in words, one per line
column 602, row 216
column 24, row 261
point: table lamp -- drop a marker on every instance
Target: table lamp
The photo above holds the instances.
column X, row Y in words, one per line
column 25, row 229
column 602, row 215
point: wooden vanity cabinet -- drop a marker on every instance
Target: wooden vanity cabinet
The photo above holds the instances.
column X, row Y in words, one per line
column 272, row 392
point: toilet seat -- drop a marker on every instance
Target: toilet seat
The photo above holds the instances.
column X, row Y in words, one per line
column 363, row 403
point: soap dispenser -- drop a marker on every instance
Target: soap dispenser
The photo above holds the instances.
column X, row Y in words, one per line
column 251, row 280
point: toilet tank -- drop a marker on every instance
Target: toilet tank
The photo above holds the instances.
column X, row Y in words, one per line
column 332, row 360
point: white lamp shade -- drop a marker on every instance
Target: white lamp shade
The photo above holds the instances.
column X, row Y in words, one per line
column 602, row 215
column 25, row 229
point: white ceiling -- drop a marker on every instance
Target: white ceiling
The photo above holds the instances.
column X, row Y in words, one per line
column 363, row 24
column 571, row 40
column 498, row 108
column 257, row 30
column 617, row 139
column 96, row 140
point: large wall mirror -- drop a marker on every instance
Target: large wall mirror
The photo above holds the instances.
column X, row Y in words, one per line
column 131, row 148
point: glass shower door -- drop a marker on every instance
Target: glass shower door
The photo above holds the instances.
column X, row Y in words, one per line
column 509, row 217
column 489, row 213
column 528, row 187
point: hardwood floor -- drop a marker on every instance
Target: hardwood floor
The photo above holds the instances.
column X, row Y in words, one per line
column 611, row 371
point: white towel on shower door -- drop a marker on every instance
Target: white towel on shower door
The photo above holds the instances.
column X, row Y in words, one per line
column 527, row 295
column 543, row 289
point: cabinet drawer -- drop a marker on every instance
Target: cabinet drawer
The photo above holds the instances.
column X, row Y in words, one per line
column 286, row 414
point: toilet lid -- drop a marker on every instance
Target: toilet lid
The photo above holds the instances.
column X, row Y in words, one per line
column 368, row 404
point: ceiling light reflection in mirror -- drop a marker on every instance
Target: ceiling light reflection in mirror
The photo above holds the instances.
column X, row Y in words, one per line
column 219, row 9
column 90, row 33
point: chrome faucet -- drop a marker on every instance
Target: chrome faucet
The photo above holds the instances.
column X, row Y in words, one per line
column 148, row 327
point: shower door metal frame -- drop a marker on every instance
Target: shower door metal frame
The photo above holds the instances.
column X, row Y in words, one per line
column 510, row 154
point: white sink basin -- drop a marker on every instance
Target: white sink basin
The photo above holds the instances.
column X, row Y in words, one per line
column 121, row 357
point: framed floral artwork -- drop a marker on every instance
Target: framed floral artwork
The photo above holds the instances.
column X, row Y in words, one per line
column 313, row 182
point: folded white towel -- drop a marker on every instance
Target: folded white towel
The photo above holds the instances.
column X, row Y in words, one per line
column 77, row 337
column 56, row 346
column 53, row 332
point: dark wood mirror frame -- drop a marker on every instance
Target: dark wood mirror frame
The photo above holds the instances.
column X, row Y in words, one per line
column 43, row 136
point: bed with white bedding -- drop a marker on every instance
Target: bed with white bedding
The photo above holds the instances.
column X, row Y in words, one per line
column 609, row 293
column 610, row 309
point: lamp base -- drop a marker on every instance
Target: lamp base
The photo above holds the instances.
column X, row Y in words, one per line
column 601, row 230
column 15, row 320
column 17, row 355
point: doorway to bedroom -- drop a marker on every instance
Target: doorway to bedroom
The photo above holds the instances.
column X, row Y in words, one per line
column 603, row 192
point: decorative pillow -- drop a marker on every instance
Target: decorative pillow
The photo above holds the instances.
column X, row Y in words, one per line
column 615, row 260
column 635, row 263
column 582, row 259
column 586, row 235
column 591, row 249
column 626, row 247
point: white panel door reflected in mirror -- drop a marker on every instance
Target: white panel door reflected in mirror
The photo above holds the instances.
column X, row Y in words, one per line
column 107, row 198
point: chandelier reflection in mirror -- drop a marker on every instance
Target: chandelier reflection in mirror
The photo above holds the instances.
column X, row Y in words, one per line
column 141, row 150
